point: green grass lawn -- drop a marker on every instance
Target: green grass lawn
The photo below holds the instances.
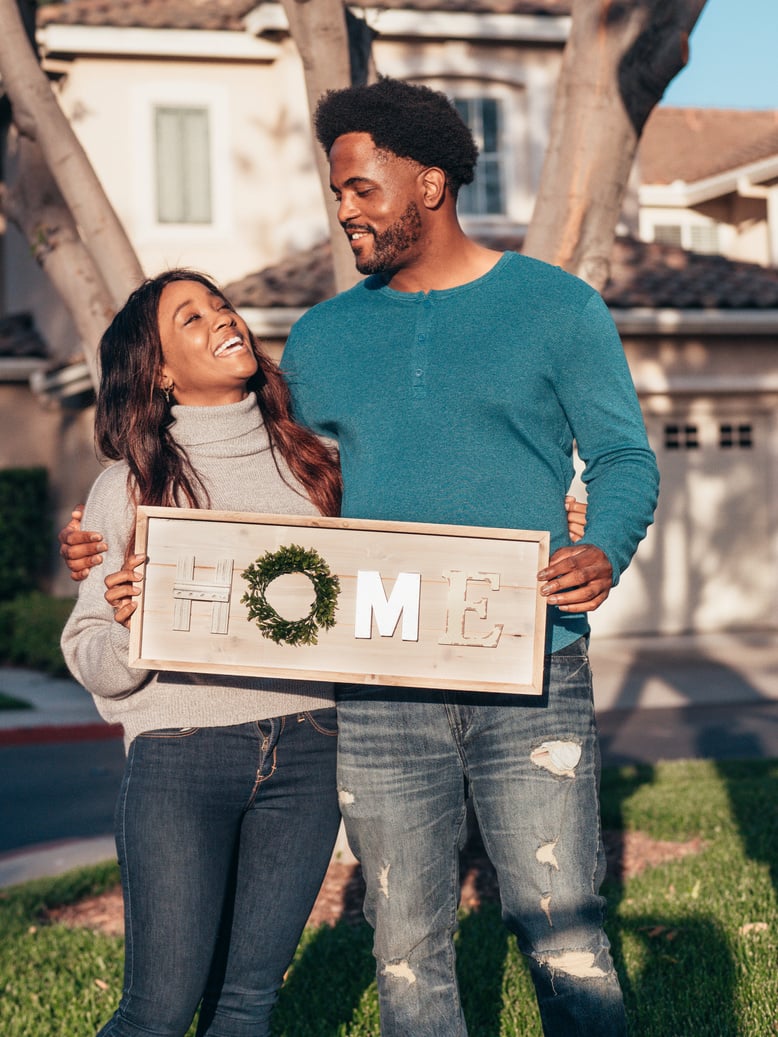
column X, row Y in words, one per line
column 695, row 939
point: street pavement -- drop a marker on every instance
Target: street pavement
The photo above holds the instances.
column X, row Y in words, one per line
column 659, row 698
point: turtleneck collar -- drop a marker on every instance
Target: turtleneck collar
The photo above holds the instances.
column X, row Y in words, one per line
column 208, row 426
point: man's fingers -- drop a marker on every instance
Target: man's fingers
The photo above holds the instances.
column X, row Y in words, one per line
column 82, row 552
column 577, row 579
column 584, row 576
column 586, row 603
column 75, row 538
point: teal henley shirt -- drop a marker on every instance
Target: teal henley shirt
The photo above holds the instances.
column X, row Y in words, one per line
column 462, row 406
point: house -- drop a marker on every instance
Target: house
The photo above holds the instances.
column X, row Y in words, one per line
column 194, row 115
column 709, row 182
column 195, row 118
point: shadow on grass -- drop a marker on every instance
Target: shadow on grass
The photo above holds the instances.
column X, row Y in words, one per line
column 677, row 963
column 739, row 741
column 331, row 991
column 664, row 963
column 332, row 972
column 482, row 952
column 677, row 970
column 752, row 788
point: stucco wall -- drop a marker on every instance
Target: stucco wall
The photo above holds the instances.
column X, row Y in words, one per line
column 709, row 561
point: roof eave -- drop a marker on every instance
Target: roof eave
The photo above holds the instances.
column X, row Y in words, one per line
column 271, row 321
column 645, row 320
column 276, row 321
column 684, row 194
column 99, row 41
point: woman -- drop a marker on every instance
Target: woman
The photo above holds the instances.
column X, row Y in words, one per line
column 227, row 814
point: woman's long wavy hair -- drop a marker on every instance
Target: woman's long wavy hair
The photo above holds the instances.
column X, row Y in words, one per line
column 133, row 418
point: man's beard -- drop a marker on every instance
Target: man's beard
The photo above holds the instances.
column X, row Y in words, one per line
column 389, row 244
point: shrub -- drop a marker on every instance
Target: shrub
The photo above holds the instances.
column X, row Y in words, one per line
column 25, row 529
column 30, row 629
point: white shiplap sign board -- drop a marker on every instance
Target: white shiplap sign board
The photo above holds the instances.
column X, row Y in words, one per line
column 427, row 606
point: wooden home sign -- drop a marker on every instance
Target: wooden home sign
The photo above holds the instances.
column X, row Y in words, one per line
column 408, row 604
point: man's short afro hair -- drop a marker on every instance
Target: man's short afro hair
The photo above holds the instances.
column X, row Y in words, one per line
column 410, row 120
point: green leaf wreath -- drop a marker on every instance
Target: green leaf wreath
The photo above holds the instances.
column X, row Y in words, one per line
column 293, row 559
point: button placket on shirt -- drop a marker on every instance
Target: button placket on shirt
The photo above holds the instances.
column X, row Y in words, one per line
column 420, row 352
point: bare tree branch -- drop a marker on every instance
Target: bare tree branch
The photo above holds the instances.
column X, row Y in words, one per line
column 38, row 116
column 618, row 61
column 32, row 200
column 319, row 30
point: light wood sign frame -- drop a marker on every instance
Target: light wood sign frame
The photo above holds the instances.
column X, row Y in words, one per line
column 426, row 606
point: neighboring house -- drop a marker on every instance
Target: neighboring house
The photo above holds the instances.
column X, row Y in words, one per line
column 709, row 182
column 194, row 116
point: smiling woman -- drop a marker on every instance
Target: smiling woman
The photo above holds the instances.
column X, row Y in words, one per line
column 208, row 354
column 227, row 813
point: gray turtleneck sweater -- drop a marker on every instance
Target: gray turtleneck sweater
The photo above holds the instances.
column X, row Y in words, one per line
column 230, row 450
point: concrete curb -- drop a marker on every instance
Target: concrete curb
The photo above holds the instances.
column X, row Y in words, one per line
column 49, row 859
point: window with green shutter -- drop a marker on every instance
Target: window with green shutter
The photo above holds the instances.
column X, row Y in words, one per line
column 183, row 165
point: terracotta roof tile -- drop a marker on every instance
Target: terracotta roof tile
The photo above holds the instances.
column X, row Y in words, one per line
column 643, row 275
column 660, row 276
column 300, row 280
column 149, row 14
column 228, row 14
column 538, row 7
column 691, row 144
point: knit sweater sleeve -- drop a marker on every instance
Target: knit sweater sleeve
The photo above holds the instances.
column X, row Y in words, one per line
column 95, row 646
column 595, row 389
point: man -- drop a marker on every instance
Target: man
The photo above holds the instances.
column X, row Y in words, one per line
column 455, row 380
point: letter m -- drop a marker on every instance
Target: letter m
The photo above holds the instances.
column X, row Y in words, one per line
column 372, row 601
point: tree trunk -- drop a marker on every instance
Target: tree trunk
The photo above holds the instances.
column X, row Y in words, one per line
column 33, row 202
column 38, row 116
column 320, row 33
column 618, row 61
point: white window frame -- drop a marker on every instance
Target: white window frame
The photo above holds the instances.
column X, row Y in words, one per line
column 499, row 155
column 518, row 195
column 147, row 98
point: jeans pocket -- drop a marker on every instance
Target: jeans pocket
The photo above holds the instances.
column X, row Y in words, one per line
column 325, row 721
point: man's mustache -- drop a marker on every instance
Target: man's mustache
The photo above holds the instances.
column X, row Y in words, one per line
column 357, row 228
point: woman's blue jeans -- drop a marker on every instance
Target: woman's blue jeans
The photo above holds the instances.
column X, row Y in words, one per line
column 406, row 760
column 224, row 835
